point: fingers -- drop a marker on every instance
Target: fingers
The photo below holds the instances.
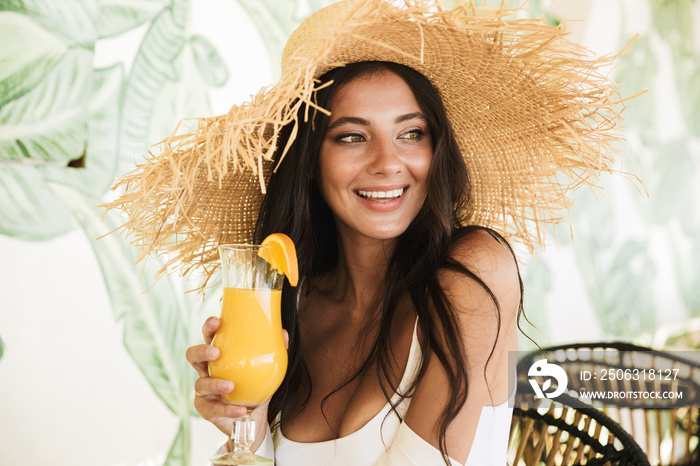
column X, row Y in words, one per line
column 211, row 325
column 213, row 411
column 285, row 335
column 199, row 356
column 207, row 386
column 208, row 402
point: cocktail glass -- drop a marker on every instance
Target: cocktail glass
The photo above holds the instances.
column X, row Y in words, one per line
column 253, row 354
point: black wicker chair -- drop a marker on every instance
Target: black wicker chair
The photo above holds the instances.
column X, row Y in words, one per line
column 666, row 429
column 556, row 433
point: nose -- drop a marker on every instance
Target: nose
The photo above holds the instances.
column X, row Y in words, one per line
column 385, row 158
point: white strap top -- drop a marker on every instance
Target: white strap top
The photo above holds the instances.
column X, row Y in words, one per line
column 385, row 440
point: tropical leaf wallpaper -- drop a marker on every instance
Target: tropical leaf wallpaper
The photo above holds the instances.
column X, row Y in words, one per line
column 86, row 85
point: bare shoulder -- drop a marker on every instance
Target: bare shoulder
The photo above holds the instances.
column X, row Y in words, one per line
column 482, row 286
column 486, row 301
column 492, row 274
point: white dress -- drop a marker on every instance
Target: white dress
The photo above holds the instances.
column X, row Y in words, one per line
column 384, row 440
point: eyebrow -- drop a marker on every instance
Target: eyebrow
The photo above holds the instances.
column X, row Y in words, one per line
column 361, row 121
column 411, row 116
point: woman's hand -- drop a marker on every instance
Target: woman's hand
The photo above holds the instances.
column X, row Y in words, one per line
column 208, row 390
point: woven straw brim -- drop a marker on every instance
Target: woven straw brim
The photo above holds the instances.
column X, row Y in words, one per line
column 534, row 116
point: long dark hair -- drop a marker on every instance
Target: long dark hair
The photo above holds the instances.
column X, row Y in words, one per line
column 294, row 205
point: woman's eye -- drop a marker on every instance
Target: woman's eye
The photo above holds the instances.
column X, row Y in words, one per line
column 413, row 134
column 350, row 138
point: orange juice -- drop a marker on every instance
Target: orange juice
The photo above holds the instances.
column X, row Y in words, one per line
column 250, row 339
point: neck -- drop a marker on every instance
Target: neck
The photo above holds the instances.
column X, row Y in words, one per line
column 359, row 276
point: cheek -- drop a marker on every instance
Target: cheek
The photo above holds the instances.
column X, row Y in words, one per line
column 421, row 167
column 337, row 171
column 332, row 177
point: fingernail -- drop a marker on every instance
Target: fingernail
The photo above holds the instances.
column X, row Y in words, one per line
column 225, row 386
column 212, row 352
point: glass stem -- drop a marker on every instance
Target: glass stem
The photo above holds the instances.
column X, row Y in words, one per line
column 243, row 433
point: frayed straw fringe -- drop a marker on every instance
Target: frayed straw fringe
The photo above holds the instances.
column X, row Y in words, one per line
column 203, row 188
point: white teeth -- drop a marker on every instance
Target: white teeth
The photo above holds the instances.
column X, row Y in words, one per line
column 381, row 194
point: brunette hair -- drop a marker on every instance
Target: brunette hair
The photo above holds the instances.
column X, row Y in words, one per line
column 294, row 205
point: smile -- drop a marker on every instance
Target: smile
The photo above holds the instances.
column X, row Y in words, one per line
column 381, row 196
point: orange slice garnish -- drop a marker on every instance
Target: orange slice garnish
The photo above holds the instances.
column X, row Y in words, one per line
column 282, row 255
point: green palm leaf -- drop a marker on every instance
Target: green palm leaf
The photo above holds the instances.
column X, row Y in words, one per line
column 29, row 209
column 692, row 101
column 102, row 139
column 208, row 61
column 28, row 52
column 687, row 271
column 153, row 67
column 12, row 5
column 48, row 124
column 72, row 20
column 156, row 334
column 117, row 16
column 180, row 449
column 187, row 96
column 275, row 21
column 159, row 325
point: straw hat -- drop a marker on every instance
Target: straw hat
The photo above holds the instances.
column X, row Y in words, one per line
column 533, row 113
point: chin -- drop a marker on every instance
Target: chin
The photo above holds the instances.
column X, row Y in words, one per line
column 384, row 234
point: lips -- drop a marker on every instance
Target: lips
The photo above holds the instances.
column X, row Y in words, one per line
column 381, row 196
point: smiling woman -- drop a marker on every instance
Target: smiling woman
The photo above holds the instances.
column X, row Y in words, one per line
column 401, row 151
column 386, row 172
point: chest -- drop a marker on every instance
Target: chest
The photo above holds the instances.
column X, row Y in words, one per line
column 345, row 392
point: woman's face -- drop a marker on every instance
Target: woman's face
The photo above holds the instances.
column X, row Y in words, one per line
column 375, row 156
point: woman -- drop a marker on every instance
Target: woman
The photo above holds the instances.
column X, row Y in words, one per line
column 401, row 140
column 387, row 170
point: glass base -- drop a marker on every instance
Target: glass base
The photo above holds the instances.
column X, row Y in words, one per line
column 239, row 457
